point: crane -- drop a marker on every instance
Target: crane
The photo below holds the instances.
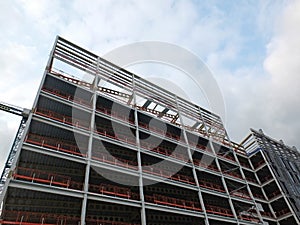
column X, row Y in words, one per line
column 24, row 113
column 14, row 109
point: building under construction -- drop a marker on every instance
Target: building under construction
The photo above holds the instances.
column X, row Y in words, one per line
column 111, row 148
column 277, row 166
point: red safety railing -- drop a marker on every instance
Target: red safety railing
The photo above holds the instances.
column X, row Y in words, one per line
column 198, row 131
column 199, row 146
column 161, row 132
column 249, row 218
column 283, row 212
column 107, row 158
column 238, row 148
column 246, row 165
column 274, row 194
column 107, row 132
column 266, row 179
column 164, row 150
column 69, row 79
column 218, row 211
column 114, row 114
column 174, row 202
column 210, row 185
column 37, row 218
column 233, row 174
column 40, row 176
column 266, row 214
column 241, row 194
column 250, row 179
column 92, row 221
column 108, row 189
column 260, row 196
column 229, row 157
column 169, row 175
column 211, row 166
column 67, row 96
column 25, row 223
column 63, row 118
column 55, row 144
column 260, row 163
column 220, row 139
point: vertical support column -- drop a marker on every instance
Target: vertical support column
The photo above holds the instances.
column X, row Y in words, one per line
column 90, row 145
column 247, row 184
column 139, row 158
column 223, row 181
column 191, row 159
column 250, row 163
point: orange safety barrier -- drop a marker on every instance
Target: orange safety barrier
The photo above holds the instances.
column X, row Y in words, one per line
column 238, row 148
column 251, row 180
column 76, row 185
column 114, row 114
column 67, row 96
column 108, row 189
column 262, row 162
column 241, row 194
column 274, row 194
column 226, row 142
column 63, row 118
column 24, row 223
column 213, row 167
column 169, row 175
column 229, row 157
column 174, row 202
column 245, row 165
column 266, row 179
column 234, row 175
column 31, row 218
column 283, row 212
column 156, row 112
column 110, row 134
column 70, row 79
column 242, row 152
column 210, row 185
column 203, row 133
column 249, row 218
column 53, row 143
column 258, row 195
column 91, row 220
column 161, row 132
column 164, row 151
column 199, row 146
column 218, row 211
column 266, row 214
column 107, row 158
column 39, row 176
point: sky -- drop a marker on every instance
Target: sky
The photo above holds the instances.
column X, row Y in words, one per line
column 251, row 47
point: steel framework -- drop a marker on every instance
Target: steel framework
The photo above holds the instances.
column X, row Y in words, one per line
column 92, row 148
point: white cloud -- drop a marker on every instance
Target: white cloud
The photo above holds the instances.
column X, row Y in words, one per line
column 18, row 64
column 267, row 97
column 282, row 63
